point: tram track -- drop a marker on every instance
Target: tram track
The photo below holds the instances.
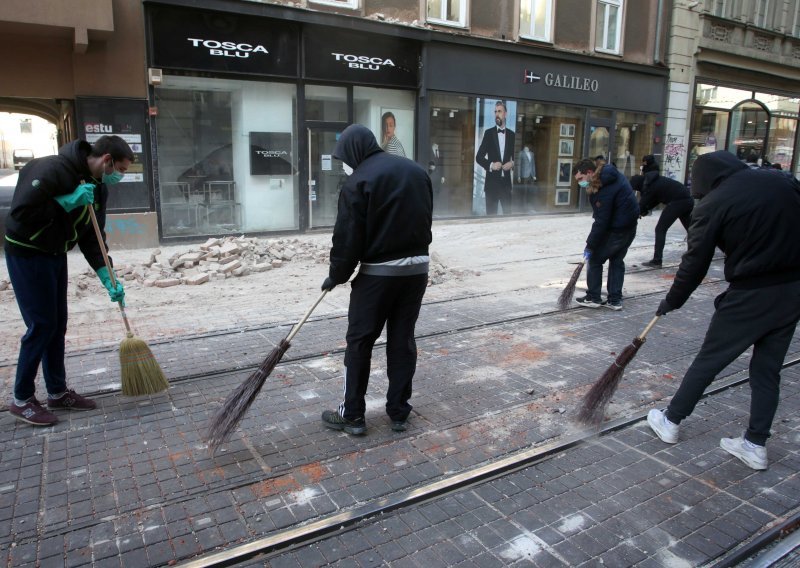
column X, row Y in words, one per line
column 340, row 522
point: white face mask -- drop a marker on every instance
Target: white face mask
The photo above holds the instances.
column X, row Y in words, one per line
column 347, row 169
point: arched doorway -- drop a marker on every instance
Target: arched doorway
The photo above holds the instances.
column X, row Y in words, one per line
column 749, row 128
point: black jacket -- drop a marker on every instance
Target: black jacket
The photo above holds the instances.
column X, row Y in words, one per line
column 385, row 206
column 37, row 224
column 751, row 215
column 614, row 207
column 659, row 189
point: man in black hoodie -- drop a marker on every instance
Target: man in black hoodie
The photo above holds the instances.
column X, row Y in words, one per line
column 383, row 222
column 49, row 215
column 751, row 215
column 655, row 189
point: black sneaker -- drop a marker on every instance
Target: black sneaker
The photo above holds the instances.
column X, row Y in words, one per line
column 332, row 419
column 588, row 302
column 32, row 412
column 71, row 401
column 652, row 264
column 399, row 425
column 616, row 306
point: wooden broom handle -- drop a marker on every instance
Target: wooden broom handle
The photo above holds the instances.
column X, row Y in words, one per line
column 649, row 327
column 110, row 268
column 299, row 324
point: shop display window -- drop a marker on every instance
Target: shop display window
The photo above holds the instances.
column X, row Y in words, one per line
column 708, row 135
column 225, row 165
column 634, row 137
column 782, row 134
column 390, row 114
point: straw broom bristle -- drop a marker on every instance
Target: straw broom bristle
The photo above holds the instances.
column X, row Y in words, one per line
column 141, row 373
column 565, row 299
column 594, row 403
column 235, row 406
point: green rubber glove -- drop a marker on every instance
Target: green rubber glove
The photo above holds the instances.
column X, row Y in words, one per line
column 83, row 195
column 116, row 294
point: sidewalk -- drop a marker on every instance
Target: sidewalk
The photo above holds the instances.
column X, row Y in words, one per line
column 500, row 371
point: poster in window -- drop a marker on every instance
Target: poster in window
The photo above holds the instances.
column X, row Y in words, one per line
column 494, row 166
column 564, row 173
column 566, row 147
column 270, row 153
column 568, row 130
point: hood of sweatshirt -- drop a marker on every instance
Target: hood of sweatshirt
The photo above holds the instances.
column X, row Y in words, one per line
column 709, row 170
column 355, row 145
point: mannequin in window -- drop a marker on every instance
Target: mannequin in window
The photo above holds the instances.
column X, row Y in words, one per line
column 526, row 173
column 437, row 175
column 629, row 167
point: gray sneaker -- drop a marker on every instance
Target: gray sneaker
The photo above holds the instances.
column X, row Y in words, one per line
column 754, row 456
column 332, row 419
column 664, row 429
column 587, row 302
column 616, row 306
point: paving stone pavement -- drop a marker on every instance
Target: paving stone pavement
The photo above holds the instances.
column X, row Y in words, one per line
column 132, row 483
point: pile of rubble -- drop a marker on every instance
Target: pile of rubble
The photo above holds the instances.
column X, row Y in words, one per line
column 220, row 258
column 228, row 257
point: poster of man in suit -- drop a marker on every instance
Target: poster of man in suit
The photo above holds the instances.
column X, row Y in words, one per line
column 495, row 157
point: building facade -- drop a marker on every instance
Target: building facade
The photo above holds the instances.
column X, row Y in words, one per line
column 734, row 82
column 234, row 106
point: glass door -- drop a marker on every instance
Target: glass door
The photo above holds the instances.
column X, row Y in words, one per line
column 325, row 177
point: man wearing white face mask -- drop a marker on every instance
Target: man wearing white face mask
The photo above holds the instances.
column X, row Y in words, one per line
column 383, row 224
column 48, row 217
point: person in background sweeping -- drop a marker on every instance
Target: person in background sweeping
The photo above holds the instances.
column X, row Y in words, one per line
column 655, row 189
column 751, row 215
column 616, row 213
column 383, row 222
column 48, row 217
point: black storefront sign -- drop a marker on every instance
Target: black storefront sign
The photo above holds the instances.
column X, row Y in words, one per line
column 215, row 41
column 336, row 55
column 126, row 118
column 270, row 153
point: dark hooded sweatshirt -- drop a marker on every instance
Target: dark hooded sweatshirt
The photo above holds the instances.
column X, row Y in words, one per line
column 385, row 208
column 37, row 224
column 657, row 189
column 751, row 215
column 614, row 207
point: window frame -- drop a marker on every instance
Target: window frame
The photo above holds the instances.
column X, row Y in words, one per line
column 620, row 5
column 721, row 9
column 757, row 22
column 549, row 19
column 796, row 23
column 349, row 4
column 441, row 21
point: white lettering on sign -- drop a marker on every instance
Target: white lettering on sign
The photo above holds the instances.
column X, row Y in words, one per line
column 571, row 82
column 99, row 128
column 272, row 153
column 363, row 61
column 227, row 48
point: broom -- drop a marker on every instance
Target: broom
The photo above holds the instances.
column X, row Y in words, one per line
column 140, row 371
column 594, row 403
column 235, row 406
column 565, row 299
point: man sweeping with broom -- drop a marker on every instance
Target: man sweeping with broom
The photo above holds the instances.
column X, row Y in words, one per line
column 48, row 217
column 751, row 215
column 383, row 222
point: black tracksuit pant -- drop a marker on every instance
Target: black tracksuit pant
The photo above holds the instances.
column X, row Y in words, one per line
column 376, row 301
column 681, row 209
column 764, row 318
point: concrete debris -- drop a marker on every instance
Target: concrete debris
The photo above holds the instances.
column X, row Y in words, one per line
column 221, row 258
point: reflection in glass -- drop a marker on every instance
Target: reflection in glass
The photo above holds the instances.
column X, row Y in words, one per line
column 708, row 135
column 780, row 105
column 749, row 123
column 782, row 133
column 720, row 97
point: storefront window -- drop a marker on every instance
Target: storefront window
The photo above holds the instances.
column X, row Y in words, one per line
column 226, row 165
column 779, row 105
column 708, row 135
column 634, row 136
column 720, row 97
column 748, row 131
column 389, row 113
column 780, row 147
column 327, row 104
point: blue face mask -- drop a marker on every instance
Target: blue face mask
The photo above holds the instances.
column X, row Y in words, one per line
column 113, row 177
column 583, row 184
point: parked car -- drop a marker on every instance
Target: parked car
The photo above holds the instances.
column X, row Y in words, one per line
column 22, row 157
column 7, row 185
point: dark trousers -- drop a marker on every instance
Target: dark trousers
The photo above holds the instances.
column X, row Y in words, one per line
column 613, row 250
column 682, row 210
column 40, row 286
column 764, row 318
column 376, row 301
column 495, row 195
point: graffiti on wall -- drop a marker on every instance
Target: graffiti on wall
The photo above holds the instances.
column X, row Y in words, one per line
column 674, row 150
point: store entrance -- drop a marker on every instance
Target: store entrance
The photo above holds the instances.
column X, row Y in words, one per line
column 325, row 176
